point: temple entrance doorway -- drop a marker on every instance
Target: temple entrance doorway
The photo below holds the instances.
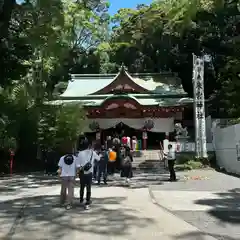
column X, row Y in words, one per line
column 121, row 130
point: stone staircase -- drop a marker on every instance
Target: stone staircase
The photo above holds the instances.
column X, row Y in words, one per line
column 148, row 160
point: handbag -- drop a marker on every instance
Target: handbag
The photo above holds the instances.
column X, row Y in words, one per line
column 126, row 162
column 88, row 165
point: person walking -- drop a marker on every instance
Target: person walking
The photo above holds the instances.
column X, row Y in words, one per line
column 85, row 162
column 127, row 160
column 171, row 158
column 67, row 171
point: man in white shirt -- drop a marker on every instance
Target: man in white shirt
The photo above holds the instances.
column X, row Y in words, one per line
column 67, row 171
column 86, row 157
column 171, row 157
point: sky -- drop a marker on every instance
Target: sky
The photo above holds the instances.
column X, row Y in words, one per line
column 115, row 5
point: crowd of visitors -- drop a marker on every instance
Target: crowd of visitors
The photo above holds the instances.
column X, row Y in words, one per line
column 92, row 164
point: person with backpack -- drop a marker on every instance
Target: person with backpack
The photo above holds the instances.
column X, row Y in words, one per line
column 112, row 156
column 67, row 171
column 126, row 161
column 85, row 162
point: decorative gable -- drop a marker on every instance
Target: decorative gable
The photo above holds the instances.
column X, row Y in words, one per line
column 122, row 83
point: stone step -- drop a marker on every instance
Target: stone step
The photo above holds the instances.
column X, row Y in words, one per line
column 148, row 160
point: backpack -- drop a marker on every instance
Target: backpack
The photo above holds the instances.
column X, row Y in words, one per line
column 112, row 156
column 126, row 162
column 68, row 159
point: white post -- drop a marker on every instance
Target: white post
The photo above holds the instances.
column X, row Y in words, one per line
column 200, row 105
column 196, row 120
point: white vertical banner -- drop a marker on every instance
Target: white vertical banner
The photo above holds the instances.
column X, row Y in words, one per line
column 196, row 120
column 199, row 100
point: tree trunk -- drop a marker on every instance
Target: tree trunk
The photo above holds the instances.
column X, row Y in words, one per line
column 6, row 8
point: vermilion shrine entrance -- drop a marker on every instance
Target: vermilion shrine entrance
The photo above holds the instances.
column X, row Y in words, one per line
column 141, row 103
column 122, row 115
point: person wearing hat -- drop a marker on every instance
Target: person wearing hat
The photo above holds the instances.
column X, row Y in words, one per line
column 67, row 171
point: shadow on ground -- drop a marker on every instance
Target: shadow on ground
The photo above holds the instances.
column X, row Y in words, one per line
column 17, row 184
column 225, row 207
column 140, row 180
column 41, row 218
column 202, row 236
column 13, row 186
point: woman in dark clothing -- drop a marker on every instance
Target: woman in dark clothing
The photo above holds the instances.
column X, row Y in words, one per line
column 126, row 160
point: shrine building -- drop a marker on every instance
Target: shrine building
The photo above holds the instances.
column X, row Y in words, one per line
column 143, row 105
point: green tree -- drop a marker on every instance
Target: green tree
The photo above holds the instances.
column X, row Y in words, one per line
column 163, row 36
column 48, row 33
column 60, row 125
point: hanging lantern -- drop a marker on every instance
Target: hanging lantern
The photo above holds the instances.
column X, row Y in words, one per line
column 149, row 124
column 94, row 126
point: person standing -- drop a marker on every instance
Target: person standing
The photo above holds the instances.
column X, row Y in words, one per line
column 117, row 145
column 85, row 162
column 112, row 157
column 124, row 140
column 67, row 171
column 134, row 145
column 171, row 157
column 128, row 142
column 127, row 160
column 96, row 165
column 102, row 167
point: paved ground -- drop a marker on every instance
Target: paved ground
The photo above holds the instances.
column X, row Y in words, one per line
column 29, row 210
column 212, row 204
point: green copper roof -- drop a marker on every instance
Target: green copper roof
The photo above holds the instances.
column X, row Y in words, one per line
column 85, row 84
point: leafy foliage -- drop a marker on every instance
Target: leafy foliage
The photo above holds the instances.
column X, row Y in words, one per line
column 60, row 125
column 163, row 36
column 42, row 43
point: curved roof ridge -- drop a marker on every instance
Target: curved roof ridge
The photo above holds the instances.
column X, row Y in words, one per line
column 121, row 96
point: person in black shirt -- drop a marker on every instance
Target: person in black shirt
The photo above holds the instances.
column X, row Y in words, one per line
column 102, row 166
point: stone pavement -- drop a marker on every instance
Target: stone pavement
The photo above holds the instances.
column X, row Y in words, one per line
column 207, row 199
column 31, row 211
